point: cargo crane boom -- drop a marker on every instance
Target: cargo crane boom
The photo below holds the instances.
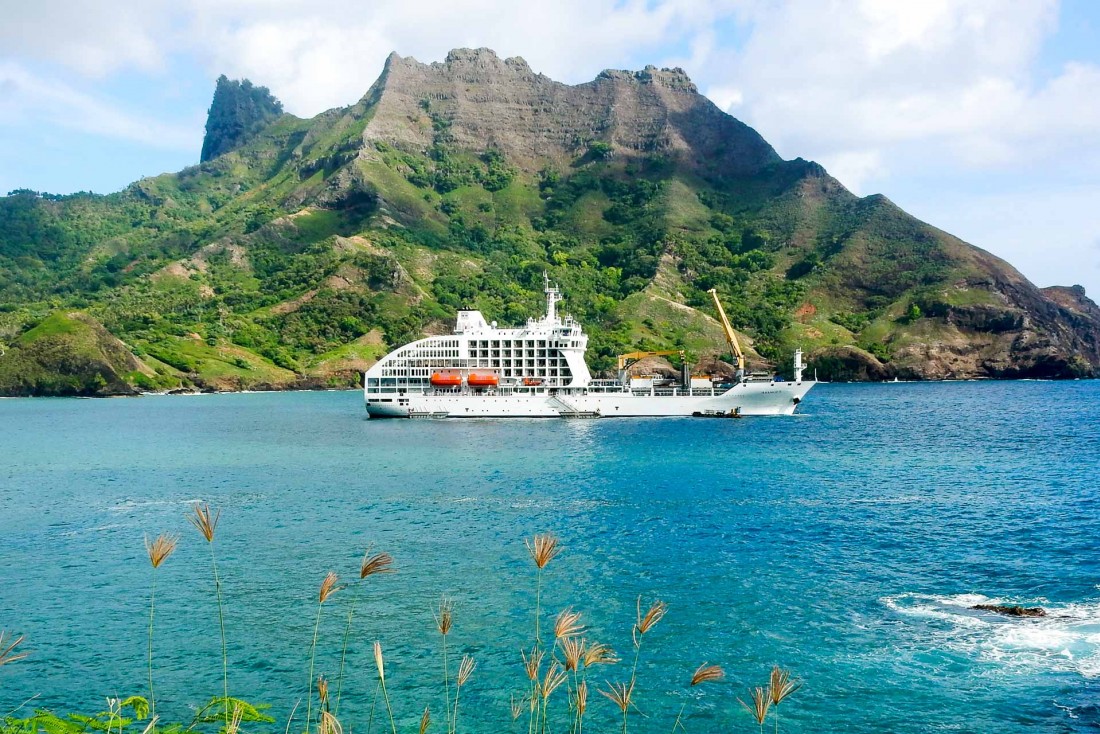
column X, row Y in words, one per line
column 731, row 337
column 625, row 360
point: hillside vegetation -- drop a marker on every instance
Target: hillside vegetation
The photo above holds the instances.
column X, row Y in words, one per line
column 299, row 251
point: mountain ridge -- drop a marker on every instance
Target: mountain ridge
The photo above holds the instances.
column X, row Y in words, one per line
column 305, row 249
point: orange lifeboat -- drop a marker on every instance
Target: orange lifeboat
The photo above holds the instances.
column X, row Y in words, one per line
column 446, row 379
column 476, row 380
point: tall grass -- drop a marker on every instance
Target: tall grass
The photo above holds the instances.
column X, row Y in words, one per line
column 564, row 665
column 328, row 588
column 371, row 565
column 206, row 522
column 158, row 552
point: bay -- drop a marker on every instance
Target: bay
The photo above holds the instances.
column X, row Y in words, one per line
column 846, row 543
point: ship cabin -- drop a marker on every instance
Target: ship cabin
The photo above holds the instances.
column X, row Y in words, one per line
column 481, row 358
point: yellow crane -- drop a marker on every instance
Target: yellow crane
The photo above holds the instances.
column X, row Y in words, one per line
column 731, row 338
column 625, row 360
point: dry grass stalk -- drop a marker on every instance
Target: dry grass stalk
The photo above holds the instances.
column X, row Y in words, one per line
column 328, row 587
column 205, row 520
column 7, row 648
column 761, row 703
column 444, row 617
column 235, row 722
column 465, row 668
column 568, row 624
column 379, row 663
column 620, row 694
column 532, row 664
column 555, row 676
column 322, row 689
column 543, row 549
column 780, row 685
column 371, row 565
column 159, row 549
column 378, row 563
column 599, row 654
column 652, row 616
column 572, row 648
column 444, row 620
column 425, row 721
column 330, row 724
column 706, row 673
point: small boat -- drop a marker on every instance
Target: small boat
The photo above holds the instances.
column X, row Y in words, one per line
column 532, row 381
column 446, row 379
column 482, row 380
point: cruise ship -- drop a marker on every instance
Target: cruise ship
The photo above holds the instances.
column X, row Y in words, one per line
column 538, row 371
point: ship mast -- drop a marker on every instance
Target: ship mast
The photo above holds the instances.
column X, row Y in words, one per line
column 552, row 298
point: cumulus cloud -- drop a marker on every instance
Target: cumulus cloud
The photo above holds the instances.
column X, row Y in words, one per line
column 867, row 81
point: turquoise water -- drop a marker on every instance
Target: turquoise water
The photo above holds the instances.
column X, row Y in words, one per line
column 845, row 543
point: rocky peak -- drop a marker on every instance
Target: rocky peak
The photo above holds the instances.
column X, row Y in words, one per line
column 482, row 101
column 238, row 111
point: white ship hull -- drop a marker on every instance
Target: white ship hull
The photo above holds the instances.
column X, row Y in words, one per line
column 748, row 398
column 538, row 371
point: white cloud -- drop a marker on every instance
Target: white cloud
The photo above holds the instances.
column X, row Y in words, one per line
column 827, row 79
column 35, row 100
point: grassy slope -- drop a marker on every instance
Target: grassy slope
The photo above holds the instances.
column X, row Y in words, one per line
column 307, row 253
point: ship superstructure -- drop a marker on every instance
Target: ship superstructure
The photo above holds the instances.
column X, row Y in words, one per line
column 538, row 370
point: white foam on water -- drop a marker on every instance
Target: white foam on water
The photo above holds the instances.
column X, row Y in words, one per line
column 1066, row 640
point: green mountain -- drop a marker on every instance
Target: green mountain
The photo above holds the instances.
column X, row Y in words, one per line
column 299, row 251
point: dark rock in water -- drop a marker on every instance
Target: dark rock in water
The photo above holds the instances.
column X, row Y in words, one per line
column 1012, row 610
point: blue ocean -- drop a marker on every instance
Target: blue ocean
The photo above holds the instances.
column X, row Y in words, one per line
column 847, row 543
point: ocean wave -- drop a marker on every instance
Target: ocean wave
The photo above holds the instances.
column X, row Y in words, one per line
column 1067, row 639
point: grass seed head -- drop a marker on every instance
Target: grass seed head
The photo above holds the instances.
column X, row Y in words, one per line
column 330, row 724
column 581, row 697
column 444, row 618
column 761, row 702
column 572, row 648
column 706, row 673
column 160, row 548
column 568, row 624
column 543, row 549
column 465, row 668
column 322, row 689
column 599, row 654
column 425, row 720
column 555, row 676
column 652, row 616
column 780, row 685
column 328, row 587
column 378, row 563
column 378, row 661
column 620, row 694
column 7, row 648
column 205, row 520
column 517, row 708
column 234, row 725
column 533, row 664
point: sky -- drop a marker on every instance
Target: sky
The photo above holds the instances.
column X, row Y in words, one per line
column 981, row 117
